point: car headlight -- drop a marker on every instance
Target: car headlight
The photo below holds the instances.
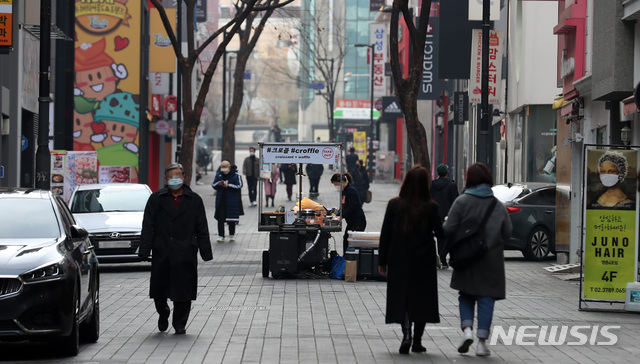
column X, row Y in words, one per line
column 51, row 271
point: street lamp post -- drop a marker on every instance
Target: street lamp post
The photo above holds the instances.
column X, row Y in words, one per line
column 370, row 155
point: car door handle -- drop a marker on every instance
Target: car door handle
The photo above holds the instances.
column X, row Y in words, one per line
column 88, row 251
column 549, row 211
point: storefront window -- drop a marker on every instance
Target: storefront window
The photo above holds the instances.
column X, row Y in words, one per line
column 541, row 144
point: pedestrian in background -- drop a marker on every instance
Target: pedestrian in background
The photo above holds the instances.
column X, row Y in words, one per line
column 251, row 170
column 362, row 182
column 408, row 258
column 174, row 229
column 289, row 172
column 314, row 172
column 352, row 211
column 271, row 184
column 444, row 191
column 351, row 159
column 483, row 282
column 228, row 185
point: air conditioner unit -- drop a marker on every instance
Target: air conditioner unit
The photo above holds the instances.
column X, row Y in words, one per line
column 5, row 126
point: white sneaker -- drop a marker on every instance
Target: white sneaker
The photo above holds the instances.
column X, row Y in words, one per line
column 482, row 349
column 467, row 340
column 220, row 239
column 232, row 238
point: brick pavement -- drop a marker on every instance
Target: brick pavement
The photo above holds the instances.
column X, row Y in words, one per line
column 241, row 317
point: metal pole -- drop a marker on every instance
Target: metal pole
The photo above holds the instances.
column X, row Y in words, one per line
column 43, row 155
column 179, row 85
column 224, row 95
column 332, row 94
column 483, row 133
column 371, row 156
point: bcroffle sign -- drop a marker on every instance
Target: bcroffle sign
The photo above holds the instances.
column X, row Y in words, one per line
column 316, row 153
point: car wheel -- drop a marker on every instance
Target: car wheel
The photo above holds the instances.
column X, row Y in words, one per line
column 538, row 244
column 265, row 264
column 71, row 343
column 90, row 329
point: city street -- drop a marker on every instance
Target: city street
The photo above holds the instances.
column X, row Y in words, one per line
column 241, row 317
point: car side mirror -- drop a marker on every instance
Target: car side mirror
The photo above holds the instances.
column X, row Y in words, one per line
column 78, row 232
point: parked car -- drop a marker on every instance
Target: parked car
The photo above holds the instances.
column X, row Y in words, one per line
column 112, row 214
column 49, row 278
column 532, row 209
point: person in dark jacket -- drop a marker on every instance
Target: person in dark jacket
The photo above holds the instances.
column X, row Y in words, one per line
column 174, row 229
column 251, row 170
column 361, row 183
column 408, row 258
column 289, row 172
column 228, row 184
column 351, row 159
column 483, row 282
column 444, row 191
column 352, row 211
column 314, row 172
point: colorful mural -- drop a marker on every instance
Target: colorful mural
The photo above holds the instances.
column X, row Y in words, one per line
column 107, row 82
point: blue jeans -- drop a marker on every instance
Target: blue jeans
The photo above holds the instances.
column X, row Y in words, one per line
column 467, row 304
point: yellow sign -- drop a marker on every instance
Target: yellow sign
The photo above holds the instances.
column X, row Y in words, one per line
column 360, row 143
column 162, row 57
column 610, row 223
column 6, row 23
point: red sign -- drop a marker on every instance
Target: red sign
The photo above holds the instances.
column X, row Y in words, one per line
column 156, row 109
column 353, row 103
column 378, row 104
column 327, row 153
column 170, row 103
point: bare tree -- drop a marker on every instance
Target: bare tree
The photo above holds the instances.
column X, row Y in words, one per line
column 407, row 88
column 187, row 63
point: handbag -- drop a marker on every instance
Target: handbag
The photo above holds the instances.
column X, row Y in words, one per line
column 369, row 196
column 471, row 245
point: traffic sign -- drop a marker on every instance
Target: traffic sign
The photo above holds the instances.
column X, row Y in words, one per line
column 378, row 104
column 316, row 85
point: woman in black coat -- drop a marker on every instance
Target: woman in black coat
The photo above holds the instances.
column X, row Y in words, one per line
column 408, row 258
column 352, row 211
column 289, row 172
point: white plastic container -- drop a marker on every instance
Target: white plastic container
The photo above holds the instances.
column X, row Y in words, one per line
column 632, row 299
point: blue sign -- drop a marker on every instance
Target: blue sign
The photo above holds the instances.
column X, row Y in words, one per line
column 316, row 85
column 1, row 171
column 25, row 143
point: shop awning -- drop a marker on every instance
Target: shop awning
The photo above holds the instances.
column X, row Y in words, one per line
column 355, row 113
column 559, row 102
column 629, row 105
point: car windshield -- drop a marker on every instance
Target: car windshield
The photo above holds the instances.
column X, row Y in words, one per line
column 28, row 218
column 107, row 200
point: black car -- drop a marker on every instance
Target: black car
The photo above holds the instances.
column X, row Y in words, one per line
column 532, row 209
column 49, row 279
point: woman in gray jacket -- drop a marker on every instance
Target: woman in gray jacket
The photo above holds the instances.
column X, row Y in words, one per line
column 483, row 282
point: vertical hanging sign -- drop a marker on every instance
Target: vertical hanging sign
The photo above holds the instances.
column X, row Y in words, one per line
column 378, row 37
column 431, row 86
column 495, row 66
column 6, row 26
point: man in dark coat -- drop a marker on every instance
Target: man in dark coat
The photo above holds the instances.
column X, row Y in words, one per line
column 251, row 170
column 174, row 228
column 444, row 191
column 314, row 171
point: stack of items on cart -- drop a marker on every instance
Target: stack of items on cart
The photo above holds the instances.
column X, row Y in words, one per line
column 363, row 249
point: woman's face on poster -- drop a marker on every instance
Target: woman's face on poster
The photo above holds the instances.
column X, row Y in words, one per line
column 608, row 173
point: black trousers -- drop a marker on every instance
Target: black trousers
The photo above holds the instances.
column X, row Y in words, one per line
column 180, row 312
column 252, row 185
column 351, row 226
column 442, row 252
column 232, row 228
column 313, row 184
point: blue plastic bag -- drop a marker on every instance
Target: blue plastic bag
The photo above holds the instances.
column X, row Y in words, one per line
column 337, row 267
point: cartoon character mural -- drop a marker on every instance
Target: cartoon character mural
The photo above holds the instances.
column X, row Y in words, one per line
column 107, row 81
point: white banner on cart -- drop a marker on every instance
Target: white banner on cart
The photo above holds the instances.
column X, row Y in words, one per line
column 316, row 153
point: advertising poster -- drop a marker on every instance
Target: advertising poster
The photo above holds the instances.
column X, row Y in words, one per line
column 81, row 168
column 112, row 174
column 496, row 46
column 58, row 165
column 162, row 58
column 107, row 81
column 360, row 143
column 610, row 222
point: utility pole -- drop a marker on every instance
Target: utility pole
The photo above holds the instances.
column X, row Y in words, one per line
column 482, row 153
column 43, row 155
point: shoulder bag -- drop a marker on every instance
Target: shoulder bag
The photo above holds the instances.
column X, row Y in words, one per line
column 470, row 246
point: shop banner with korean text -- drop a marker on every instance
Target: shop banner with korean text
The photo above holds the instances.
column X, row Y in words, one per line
column 316, row 153
column 496, row 49
column 610, row 237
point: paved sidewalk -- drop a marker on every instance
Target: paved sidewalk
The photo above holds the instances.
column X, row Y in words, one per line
column 241, row 317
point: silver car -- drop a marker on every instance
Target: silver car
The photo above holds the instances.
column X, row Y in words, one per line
column 112, row 214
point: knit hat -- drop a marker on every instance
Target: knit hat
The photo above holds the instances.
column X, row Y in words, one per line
column 119, row 107
column 442, row 170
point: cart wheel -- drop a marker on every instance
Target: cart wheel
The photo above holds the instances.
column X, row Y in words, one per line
column 265, row 264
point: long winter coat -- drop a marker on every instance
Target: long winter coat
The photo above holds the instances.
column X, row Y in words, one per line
column 173, row 237
column 412, row 283
column 228, row 199
column 486, row 277
column 289, row 171
column 444, row 191
column 271, row 184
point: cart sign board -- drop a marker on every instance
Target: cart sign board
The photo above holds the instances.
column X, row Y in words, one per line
column 316, row 153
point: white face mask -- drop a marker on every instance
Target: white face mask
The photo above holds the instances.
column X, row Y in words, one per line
column 338, row 187
column 609, row 180
column 252, row 153
column 224, row 170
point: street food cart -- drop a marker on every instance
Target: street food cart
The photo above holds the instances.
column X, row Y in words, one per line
column 300, row 229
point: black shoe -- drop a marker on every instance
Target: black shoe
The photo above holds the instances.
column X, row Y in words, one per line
column 181, row 331
column 417, row 347
column 418, row 330
column 163, row 323
column 406, row 339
